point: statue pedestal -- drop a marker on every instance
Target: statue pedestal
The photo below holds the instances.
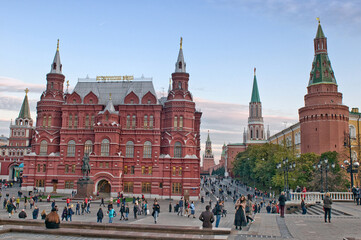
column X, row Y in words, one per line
column 85, row 188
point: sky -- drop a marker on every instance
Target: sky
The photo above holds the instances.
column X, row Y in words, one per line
column 222, row 42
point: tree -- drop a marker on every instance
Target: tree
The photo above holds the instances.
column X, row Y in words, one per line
column 219, row 171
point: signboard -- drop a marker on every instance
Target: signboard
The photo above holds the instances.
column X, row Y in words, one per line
column 115, row 78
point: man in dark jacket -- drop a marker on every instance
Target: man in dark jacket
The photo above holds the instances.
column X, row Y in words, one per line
column 22, row 214
column 218, row 212
column 207, row 218
column 282, row 203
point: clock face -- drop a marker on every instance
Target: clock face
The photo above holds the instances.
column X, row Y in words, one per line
column 208, row 151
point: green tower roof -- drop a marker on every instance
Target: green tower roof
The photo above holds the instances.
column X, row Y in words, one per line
column 255, row 94
column 320, row 33
column 25, row 110
column 321, row 71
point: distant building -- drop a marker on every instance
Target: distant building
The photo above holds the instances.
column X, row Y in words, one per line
column 208, row 157
column 4, row 141
column 19, row 143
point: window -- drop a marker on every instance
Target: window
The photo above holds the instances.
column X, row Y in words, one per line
column 101, row 165
column 352, row 131
column 76, row 121
column 146, row 186
column 49, row 122
column 74, row 101
column 91, row 101
column 70, row 124
column 150, row 170
column 44, row 167
column 147, row 150
column 87, row 121
column 128, row 187
column 88, row 147
column 69, row 184
column 39, row 183
column 38, row 170
column 125, row 169
column 145, row 121
column 43, row 147
column 129, row 149
column 106, row 165
column 44, row 121
column 148, row 101
column 143, row 170
column 52, row 84
column 71, row 148
column 134, row 122
column 73, row 168
column 104, row 148
column 177, row 188
column 177, row 150
column 175, row 123
column 180, row 84
column 174, row 171
column 151, row 121
column 181, row 123
column 132, row 170
column 92, row 122
column 66, row 170
column 128, row 121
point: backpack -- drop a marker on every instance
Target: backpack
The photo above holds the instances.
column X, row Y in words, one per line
column 214, row 211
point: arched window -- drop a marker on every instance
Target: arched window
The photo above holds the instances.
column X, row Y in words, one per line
column 352, row 131
column 43, row 147
column 70, row 121
column 147, row 150
column 71, row 148
column 44, row 121
column 87, row 121
column 177, row 150
column 104, row 149
column 251, row 133
column 129, row 149
column 181, row 123
column 257, row 133
column 76, row 121
column 151, row 122
column 88, row 147
column 175, row 122
column 179, row 85
column 145, row 121
column 49, row 121
column 128, row 121
column 92, row 122
column 134, row 121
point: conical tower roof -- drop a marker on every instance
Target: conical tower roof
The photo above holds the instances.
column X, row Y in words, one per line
column 208, row 138
column 25, row 110
column 255, row 94
column 56, row 66
column 180, row 65
column 321, row 71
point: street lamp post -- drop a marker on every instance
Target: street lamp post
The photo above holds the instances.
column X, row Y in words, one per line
column 286, row 168
column 324, row 165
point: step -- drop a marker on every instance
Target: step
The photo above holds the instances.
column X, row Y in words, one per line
column 90, row 233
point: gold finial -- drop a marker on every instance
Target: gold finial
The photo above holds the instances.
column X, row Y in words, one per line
column 318, row 19
column 26, row 91
column 170, row 81
column 181, row 42
column 67, row 85
column 110, row 96
column 254, row 71
column 57, row 46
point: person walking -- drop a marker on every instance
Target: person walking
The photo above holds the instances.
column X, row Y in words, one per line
column 111, row 214
column 77, row 209
column 193, row 209
column 83, row 205
column 70, row 212
column 64, row 215
column 126, row 212
column 180, row 210
column 9, row 208
column 35, row 212
column 327, row 202
column 88, row 207
column 218, row 212
column 248, row 209
column 282, row 203
column 156, row 211
column 53, row 204
column 303, row 206
column 135, row 209
column 102, row 202
column 122, row 210
column 240, row 216
column 100, row 215
column 207, row 218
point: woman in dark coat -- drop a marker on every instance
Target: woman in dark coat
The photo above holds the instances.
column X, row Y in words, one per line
column 240, row 216
column 100, row 215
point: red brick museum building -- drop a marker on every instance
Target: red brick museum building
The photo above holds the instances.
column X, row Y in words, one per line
column 137, row 143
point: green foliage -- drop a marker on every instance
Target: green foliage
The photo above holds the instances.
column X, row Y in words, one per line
column 257, row 166
column 219, row 171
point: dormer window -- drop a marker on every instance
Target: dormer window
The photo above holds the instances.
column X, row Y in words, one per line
column 54, row 66
column 74, row 101
column 132, row 101
column 148, row 101
column 180, row 65
column 91, row 101
column 179, row 85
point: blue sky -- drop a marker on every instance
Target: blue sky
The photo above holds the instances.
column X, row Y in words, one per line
column 222, row 42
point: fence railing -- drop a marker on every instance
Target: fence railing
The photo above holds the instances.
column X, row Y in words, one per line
column 314, row 197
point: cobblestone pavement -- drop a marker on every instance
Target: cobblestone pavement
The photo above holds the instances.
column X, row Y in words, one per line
column 22, row 236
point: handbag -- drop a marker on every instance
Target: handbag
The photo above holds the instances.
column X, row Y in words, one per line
column 147, row 211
